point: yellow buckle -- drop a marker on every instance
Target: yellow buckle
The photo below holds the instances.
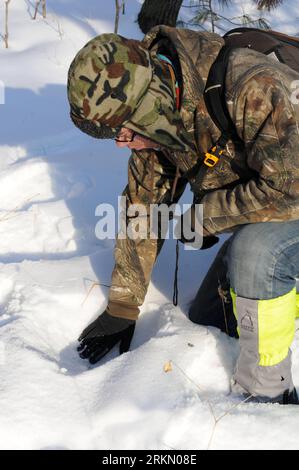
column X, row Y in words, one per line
column 212, row 158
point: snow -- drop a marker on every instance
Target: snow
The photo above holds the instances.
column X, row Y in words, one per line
column 54, row 275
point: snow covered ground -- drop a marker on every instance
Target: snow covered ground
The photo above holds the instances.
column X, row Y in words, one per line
column 51, row 180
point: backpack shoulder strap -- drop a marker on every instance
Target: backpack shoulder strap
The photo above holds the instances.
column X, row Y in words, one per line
column 214, row 92
column 285, row 48
column 215, row 103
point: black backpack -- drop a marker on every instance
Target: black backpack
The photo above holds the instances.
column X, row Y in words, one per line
column 286, row 50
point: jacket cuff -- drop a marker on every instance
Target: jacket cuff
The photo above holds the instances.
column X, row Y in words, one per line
column 122, row 310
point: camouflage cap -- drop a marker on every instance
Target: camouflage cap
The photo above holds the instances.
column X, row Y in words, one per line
column 115, row 82
column 106, row 81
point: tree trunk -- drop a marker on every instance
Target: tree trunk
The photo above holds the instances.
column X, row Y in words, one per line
column 155, row 12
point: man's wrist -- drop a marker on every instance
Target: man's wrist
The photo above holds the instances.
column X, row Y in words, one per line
column 123, row 310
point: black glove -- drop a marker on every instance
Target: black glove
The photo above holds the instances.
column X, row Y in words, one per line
column 208, row 240
column 103, row 334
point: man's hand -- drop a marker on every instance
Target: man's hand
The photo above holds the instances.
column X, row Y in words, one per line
column 103, row 334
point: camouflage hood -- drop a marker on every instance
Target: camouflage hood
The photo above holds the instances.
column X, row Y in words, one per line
column 115, row 82
column 195, row 52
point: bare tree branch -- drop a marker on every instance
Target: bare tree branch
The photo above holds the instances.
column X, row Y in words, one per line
column 36, row 9
column 44, row 8
column 6, row 24
column 119, row 5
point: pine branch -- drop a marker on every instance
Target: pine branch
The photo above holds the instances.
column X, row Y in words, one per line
column 268, row 4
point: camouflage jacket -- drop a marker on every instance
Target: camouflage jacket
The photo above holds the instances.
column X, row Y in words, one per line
column 257, row 177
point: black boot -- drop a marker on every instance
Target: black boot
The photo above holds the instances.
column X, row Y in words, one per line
column 287, row 398
column 290, row 398
column 212, row 305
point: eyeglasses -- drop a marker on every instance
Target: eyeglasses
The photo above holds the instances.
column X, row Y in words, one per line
column 121, row 139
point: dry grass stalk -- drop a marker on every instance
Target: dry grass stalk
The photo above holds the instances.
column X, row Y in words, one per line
column 90, row 290
column 216, row 419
